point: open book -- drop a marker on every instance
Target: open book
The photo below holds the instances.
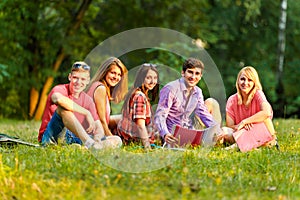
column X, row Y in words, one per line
column 6, row 140
column 187, row 137
column 257, row 136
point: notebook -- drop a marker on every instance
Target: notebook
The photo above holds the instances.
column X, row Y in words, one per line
column 188, row 137
column 257, row 136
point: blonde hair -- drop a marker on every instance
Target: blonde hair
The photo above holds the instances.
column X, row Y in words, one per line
column 117, row 92
column 252, row 74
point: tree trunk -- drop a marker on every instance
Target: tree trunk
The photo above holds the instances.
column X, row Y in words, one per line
column 34, row 98
column 281, row 51
column 47, row 87
column 77, row 20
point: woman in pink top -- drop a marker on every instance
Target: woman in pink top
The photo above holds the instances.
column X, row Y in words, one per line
column 249, row 105
column 108, row 84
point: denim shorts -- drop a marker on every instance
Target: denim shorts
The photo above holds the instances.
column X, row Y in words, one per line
column 54, row 130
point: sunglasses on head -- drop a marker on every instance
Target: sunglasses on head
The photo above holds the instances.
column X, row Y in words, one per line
column 79, row 65
column 149, row 65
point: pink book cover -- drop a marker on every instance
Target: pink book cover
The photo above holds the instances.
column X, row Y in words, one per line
column 191, row 137
column 257, row 136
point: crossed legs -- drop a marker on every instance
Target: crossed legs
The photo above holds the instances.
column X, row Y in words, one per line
column 60, row 119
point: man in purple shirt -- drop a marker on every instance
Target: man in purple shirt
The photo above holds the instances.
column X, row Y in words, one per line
column 181, row 98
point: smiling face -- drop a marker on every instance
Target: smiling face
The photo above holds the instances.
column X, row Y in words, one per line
column 78, row 81
column 245, row 84
column 150, row 80
column 192, row 76
column 113, row 76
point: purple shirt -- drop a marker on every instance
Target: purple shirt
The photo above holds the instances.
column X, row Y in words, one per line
column 173, row 108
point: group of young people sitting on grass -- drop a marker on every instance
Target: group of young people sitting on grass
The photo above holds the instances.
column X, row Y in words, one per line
column 80, row 112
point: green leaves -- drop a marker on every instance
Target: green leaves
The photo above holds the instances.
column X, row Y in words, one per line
column 3, row 72
column 34, row 33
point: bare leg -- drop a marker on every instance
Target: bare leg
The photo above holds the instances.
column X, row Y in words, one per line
column 114, row 120
column 269, row 124
column 228, row 137
column 72, row 123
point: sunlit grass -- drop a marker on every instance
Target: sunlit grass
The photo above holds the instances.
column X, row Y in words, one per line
column 69, row 172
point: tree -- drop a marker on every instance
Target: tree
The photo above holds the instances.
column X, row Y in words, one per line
column 281, row 53
column 43, row 32
column 41, row 39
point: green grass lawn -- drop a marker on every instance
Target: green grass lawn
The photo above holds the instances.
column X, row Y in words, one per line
column 69, row 172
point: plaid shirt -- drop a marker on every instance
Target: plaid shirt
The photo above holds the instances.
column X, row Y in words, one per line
column 139, row 108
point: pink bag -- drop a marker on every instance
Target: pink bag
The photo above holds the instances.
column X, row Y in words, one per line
column 257, row 136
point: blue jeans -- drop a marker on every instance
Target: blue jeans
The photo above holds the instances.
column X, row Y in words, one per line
column 53, row 130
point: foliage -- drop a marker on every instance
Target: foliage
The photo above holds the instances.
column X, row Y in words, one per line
column 236, row 33
column 69, row 172
column 33, row 34
column 11, row 103
column 3, row 72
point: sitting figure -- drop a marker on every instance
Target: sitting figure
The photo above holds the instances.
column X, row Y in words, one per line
column 181, row 101
column 137, row 123
column 248, row 106
column 69, row 107
column 109, row 84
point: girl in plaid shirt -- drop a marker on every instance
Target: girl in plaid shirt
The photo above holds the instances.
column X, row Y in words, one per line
column 136, row 123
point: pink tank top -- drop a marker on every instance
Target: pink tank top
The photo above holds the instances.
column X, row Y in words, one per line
column 91, row 91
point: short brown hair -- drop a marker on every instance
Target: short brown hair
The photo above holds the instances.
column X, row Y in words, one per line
column 192, row 63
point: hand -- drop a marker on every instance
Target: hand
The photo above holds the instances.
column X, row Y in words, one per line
column 91, row 123
column 170, row 139
column 248, row 126
column 220, row 136
column 242, row 124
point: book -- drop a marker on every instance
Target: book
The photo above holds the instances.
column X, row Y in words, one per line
column 6, row 140
column 257, row 136
column 189, row 137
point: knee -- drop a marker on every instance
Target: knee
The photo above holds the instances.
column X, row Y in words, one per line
column 63, row 113
column 211, row 104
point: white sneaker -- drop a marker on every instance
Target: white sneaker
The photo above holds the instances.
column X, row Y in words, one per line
column 233, row 146
column 115, row 141
column 109, row 142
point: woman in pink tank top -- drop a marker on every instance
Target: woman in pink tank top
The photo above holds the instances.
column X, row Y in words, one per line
column 108, row 84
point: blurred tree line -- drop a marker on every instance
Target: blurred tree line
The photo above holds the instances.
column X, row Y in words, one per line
column 41, row 39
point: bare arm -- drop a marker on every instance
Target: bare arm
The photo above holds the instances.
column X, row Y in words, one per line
column 99, row 132
column 143, row 133
column 67, row 104
column 100, row 102
column 260, row 116
column 230, row 122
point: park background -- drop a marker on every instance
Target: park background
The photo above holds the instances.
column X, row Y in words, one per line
column 41, row 39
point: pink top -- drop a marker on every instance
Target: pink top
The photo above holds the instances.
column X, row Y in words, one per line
column 91, row 94
column 240, row 112
column 83, row 100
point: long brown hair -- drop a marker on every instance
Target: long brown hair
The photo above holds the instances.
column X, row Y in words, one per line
column 117, row 92
column 252, row 74
column 139, row 85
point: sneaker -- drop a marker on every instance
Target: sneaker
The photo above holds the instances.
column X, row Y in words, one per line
column 115, row 141
column 109, row 142
column 233, row 146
